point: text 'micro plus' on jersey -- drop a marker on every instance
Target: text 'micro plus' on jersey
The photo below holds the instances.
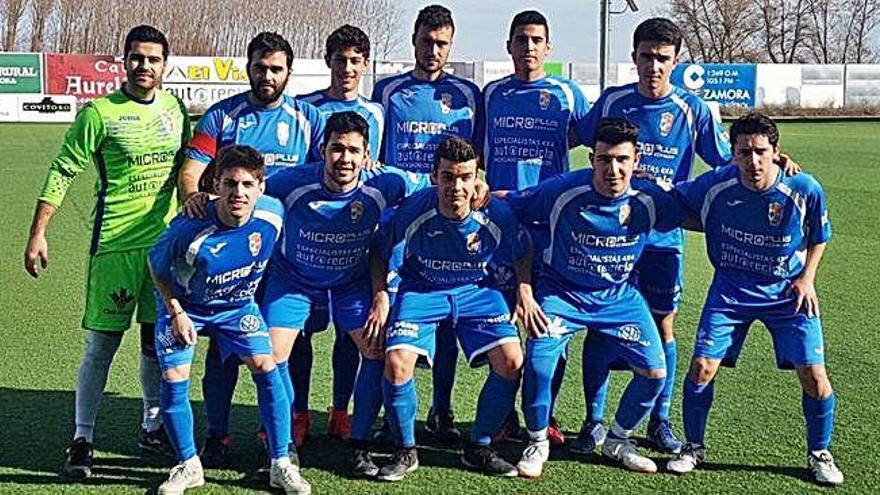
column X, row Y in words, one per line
column 595, row 241
column 371, row 111
column 526, row 129
column 327, row 235
column 441, row 253
column 419, row 115
column 213, row 265
column 673, row 130
column 757, row 241
column 287, row 135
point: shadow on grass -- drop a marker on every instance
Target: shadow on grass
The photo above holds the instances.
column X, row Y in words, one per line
column 38, row 428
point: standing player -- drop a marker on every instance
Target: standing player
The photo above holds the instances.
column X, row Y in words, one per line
column 422, row 107
column 347, row 54
column 599, row 220
column 332, row 211
column 530, row 116
column 674, row 127
column 206, row 271
column 447, row 249
column 133, row 137
column 765, row 235
column 286, row 132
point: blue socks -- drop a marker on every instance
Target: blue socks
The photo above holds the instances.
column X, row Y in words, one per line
column 819, row 414
column 284, row 371
column 556, row 385
column 346, row 359
column 661, row 407
column 595, row 362
column 367, row 397
column 218, row 386
column 637, row 401
column 695, row 408
column 495, row 402
column 301, row 372
column 443, row 369
column 401, row 404
column 542, row 357
column 177, row 416
column 274, row 411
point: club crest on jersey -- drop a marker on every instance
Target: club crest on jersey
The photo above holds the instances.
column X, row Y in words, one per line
column 544, row 98
column 774, row 214
column 624, row 215
column 666, row 121
column 255, row 242
column 445, row 103
column 249, row 323
column 283, row 133
column 357, row 211
column 167, row 123
column 473, row 242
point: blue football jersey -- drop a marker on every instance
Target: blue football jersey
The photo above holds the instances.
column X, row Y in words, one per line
column 441, row 253
column 326, row 234
column 287, row 135
column 420, row 114
column 757, row 241
column 595, row 241
column 371, row 111
column 527, row 129
column 213, row 265
column 672, row 130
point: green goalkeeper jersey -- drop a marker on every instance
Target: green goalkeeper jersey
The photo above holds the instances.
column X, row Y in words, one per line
column 136, row 147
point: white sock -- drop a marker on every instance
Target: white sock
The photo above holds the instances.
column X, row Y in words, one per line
column 619, row 432
column 281, row 462
column 150, row 374
column 538, row 436
column 92, row 378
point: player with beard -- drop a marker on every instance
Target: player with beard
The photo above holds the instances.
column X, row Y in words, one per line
column 286, row 132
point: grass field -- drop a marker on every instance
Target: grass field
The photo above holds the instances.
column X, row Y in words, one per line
column 756, row 434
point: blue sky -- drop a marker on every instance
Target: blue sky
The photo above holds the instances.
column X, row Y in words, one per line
column 482, row 25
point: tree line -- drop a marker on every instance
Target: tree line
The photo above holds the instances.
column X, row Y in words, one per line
column 779, row 31
column 194, row 27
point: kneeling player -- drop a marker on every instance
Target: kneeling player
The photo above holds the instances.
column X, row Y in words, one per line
column 765, row 235
column 206, row 271
column 447, row 249
column 599, row 220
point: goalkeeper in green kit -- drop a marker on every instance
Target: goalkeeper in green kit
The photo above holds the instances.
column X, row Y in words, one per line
column 133, row 138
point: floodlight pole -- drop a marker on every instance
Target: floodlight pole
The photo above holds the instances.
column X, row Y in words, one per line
column 604, row 35
column 604, row 26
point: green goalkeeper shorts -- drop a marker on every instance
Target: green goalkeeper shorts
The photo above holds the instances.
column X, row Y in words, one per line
column 118, row 285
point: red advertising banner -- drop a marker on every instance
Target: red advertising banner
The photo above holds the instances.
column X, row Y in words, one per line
column 85, row 76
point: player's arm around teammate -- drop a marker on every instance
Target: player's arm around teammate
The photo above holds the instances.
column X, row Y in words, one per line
column 206, row 272
column 751, row 213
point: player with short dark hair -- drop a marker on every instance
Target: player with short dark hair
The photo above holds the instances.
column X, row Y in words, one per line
column 133, row 137
column 447, row 247
column 675, row 126
column 347, row 54
column 206, row 271
column 530, row 116
column 599, row 220
column 333, row 208
column 765, row 236
column 422, row 108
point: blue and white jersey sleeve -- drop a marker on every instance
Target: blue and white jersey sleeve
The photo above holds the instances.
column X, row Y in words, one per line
column 535, row 204
column 818, row 224
column 394, row 184
column 669, row 211
column 167, row 248
column 713, row 143
column 371, row 111
column 316, row 123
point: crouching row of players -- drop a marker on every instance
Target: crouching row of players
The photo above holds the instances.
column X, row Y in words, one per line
column 765, row 236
